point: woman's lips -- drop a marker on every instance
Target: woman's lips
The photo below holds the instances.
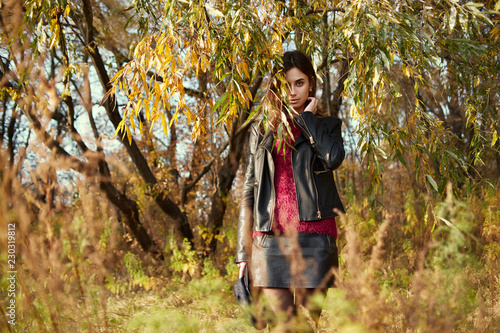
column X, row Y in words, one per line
column 294, row 101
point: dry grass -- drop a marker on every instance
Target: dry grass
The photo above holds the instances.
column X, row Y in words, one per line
column 413, row 264
column 76, row 273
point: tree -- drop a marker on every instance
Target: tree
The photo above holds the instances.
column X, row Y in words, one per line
column 413, row 80
column 437, row 49
column 31, row 81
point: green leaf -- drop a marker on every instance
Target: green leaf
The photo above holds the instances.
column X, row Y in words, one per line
column 453, row 19
column 213, row 11
column 431, row 181
column 474, row 5
column 385, row 59
column 400, row 157
column 220, row 101
column 376, row 77
column 373, row 19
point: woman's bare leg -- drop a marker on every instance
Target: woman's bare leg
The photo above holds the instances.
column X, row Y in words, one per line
column 281, row 302
column 304, row 298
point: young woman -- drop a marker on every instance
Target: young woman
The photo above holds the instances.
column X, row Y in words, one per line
column 286, row 227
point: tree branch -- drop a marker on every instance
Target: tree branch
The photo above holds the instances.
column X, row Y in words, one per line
column 186, row 187
column 337, row 94
column 321, row 11
column 162, row 199
column 128, row 207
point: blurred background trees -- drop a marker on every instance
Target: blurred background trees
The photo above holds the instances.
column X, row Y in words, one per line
column 146, row 105
column 416, row 85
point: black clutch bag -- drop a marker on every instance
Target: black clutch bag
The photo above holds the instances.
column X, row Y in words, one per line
column 242, row 294
column 242, row 291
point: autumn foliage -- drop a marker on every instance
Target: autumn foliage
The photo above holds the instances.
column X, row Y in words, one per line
column 123, row 136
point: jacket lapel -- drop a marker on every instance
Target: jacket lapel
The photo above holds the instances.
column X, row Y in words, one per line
column 299, row 140
column 267, row 141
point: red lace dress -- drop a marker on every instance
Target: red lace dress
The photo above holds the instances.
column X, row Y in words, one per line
column 286, row 210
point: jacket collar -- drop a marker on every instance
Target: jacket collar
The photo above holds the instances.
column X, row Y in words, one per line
column 299, row 139
column 267, row 141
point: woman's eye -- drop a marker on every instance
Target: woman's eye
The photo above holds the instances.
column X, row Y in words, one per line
column 299, row 84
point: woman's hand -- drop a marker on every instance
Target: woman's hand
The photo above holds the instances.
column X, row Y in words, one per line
column 312, row 106
column 242, row 265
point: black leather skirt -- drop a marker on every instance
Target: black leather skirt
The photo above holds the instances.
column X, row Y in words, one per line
column 301, row 261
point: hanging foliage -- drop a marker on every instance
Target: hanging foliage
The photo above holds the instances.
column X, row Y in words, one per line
column 442, row 50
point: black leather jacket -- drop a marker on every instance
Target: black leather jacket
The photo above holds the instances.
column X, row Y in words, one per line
column 318, row 150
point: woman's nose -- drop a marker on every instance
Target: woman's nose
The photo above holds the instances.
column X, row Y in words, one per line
column 292, row 91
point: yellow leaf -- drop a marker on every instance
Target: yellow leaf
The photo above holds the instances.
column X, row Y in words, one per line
column 240, row 97
column 164, row 123
column 146, row 108
column 55, row 36
column 180, row 87
column 477, row 82
column 245, row 69
column 155, row 118
column 119, row 127
column 174, row 117
column 205, row 64
column 132, row 122
column 145, row 83
column 129, row 135
column 233, row 109
column 155, row 105
column 133, row 94
column 138, row 107
column 249, row 94
column 53, row 24
column 165, row 102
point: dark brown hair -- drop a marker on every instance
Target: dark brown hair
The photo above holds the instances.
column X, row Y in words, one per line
column 291, row 59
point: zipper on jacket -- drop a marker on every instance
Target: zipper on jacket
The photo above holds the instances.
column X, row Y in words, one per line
column 309, row 134
column 311, row 140
column 316, row 190
column 273, row 203
column 294, row 183
column 273, row 199
column 321, row 171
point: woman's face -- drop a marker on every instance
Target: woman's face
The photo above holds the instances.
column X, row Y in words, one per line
column 298, row 88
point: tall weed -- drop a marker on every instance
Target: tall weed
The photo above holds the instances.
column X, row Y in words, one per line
column 444, row 293
column 64, row 246
column 415, row 269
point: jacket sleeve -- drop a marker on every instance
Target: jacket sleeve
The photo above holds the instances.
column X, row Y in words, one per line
column 245, row 218
column 324, row 137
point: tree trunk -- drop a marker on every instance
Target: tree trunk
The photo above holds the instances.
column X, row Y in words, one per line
column 337, row 94
column 128, row 207
column 226, row 177
column 228, row 171
column 182, row 227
